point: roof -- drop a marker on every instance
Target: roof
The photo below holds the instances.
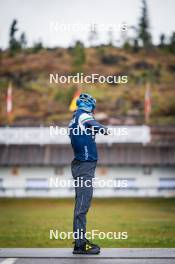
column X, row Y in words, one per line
column 115, row 154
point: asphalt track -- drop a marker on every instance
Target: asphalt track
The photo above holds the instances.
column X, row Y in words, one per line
column 107, row 255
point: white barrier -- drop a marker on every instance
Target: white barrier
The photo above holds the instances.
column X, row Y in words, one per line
column 55, row 135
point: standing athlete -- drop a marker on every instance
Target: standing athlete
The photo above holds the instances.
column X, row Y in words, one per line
column 83, row 128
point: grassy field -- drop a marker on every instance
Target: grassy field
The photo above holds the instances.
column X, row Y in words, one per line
column 148, row 222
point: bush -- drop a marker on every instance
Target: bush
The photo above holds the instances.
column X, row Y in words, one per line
column 112, row 59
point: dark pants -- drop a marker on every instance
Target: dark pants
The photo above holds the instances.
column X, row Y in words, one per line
column 83, row 172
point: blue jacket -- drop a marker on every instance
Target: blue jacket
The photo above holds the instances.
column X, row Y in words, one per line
column 82, row 130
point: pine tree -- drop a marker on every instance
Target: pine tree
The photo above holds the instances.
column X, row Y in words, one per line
column 162, row 41
column 23, row 41
column 143, row 31
column 79, row 57
column 37, row 47
column 172, row 43
column 135, row 47
column 110, row 35
column 13, row 29
column 14, row 45
column 93, row 35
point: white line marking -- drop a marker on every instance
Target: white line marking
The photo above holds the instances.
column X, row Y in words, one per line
column 9, row 261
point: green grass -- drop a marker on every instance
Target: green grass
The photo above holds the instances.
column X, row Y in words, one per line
column 148, row 222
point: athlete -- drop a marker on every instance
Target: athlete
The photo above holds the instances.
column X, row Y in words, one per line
column 83, row 128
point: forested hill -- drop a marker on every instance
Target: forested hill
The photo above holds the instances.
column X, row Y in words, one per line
column 36, row 100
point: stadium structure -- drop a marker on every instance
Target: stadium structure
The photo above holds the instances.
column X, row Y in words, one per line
column 32, row 157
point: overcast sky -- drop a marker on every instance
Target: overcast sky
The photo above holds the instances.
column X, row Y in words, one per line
column 36, row 18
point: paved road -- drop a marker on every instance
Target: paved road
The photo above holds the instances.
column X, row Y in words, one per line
column 87, row 261
column 64, row 256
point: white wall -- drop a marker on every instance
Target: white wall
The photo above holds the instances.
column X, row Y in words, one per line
column 34, row 181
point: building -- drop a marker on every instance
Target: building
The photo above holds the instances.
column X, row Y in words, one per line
column 35, row 162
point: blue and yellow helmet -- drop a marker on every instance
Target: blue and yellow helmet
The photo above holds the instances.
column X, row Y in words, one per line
column 86, row 102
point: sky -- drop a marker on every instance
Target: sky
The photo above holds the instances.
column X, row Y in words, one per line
column 62, row 22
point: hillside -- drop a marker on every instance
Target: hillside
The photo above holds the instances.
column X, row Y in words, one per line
column 37, row 101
